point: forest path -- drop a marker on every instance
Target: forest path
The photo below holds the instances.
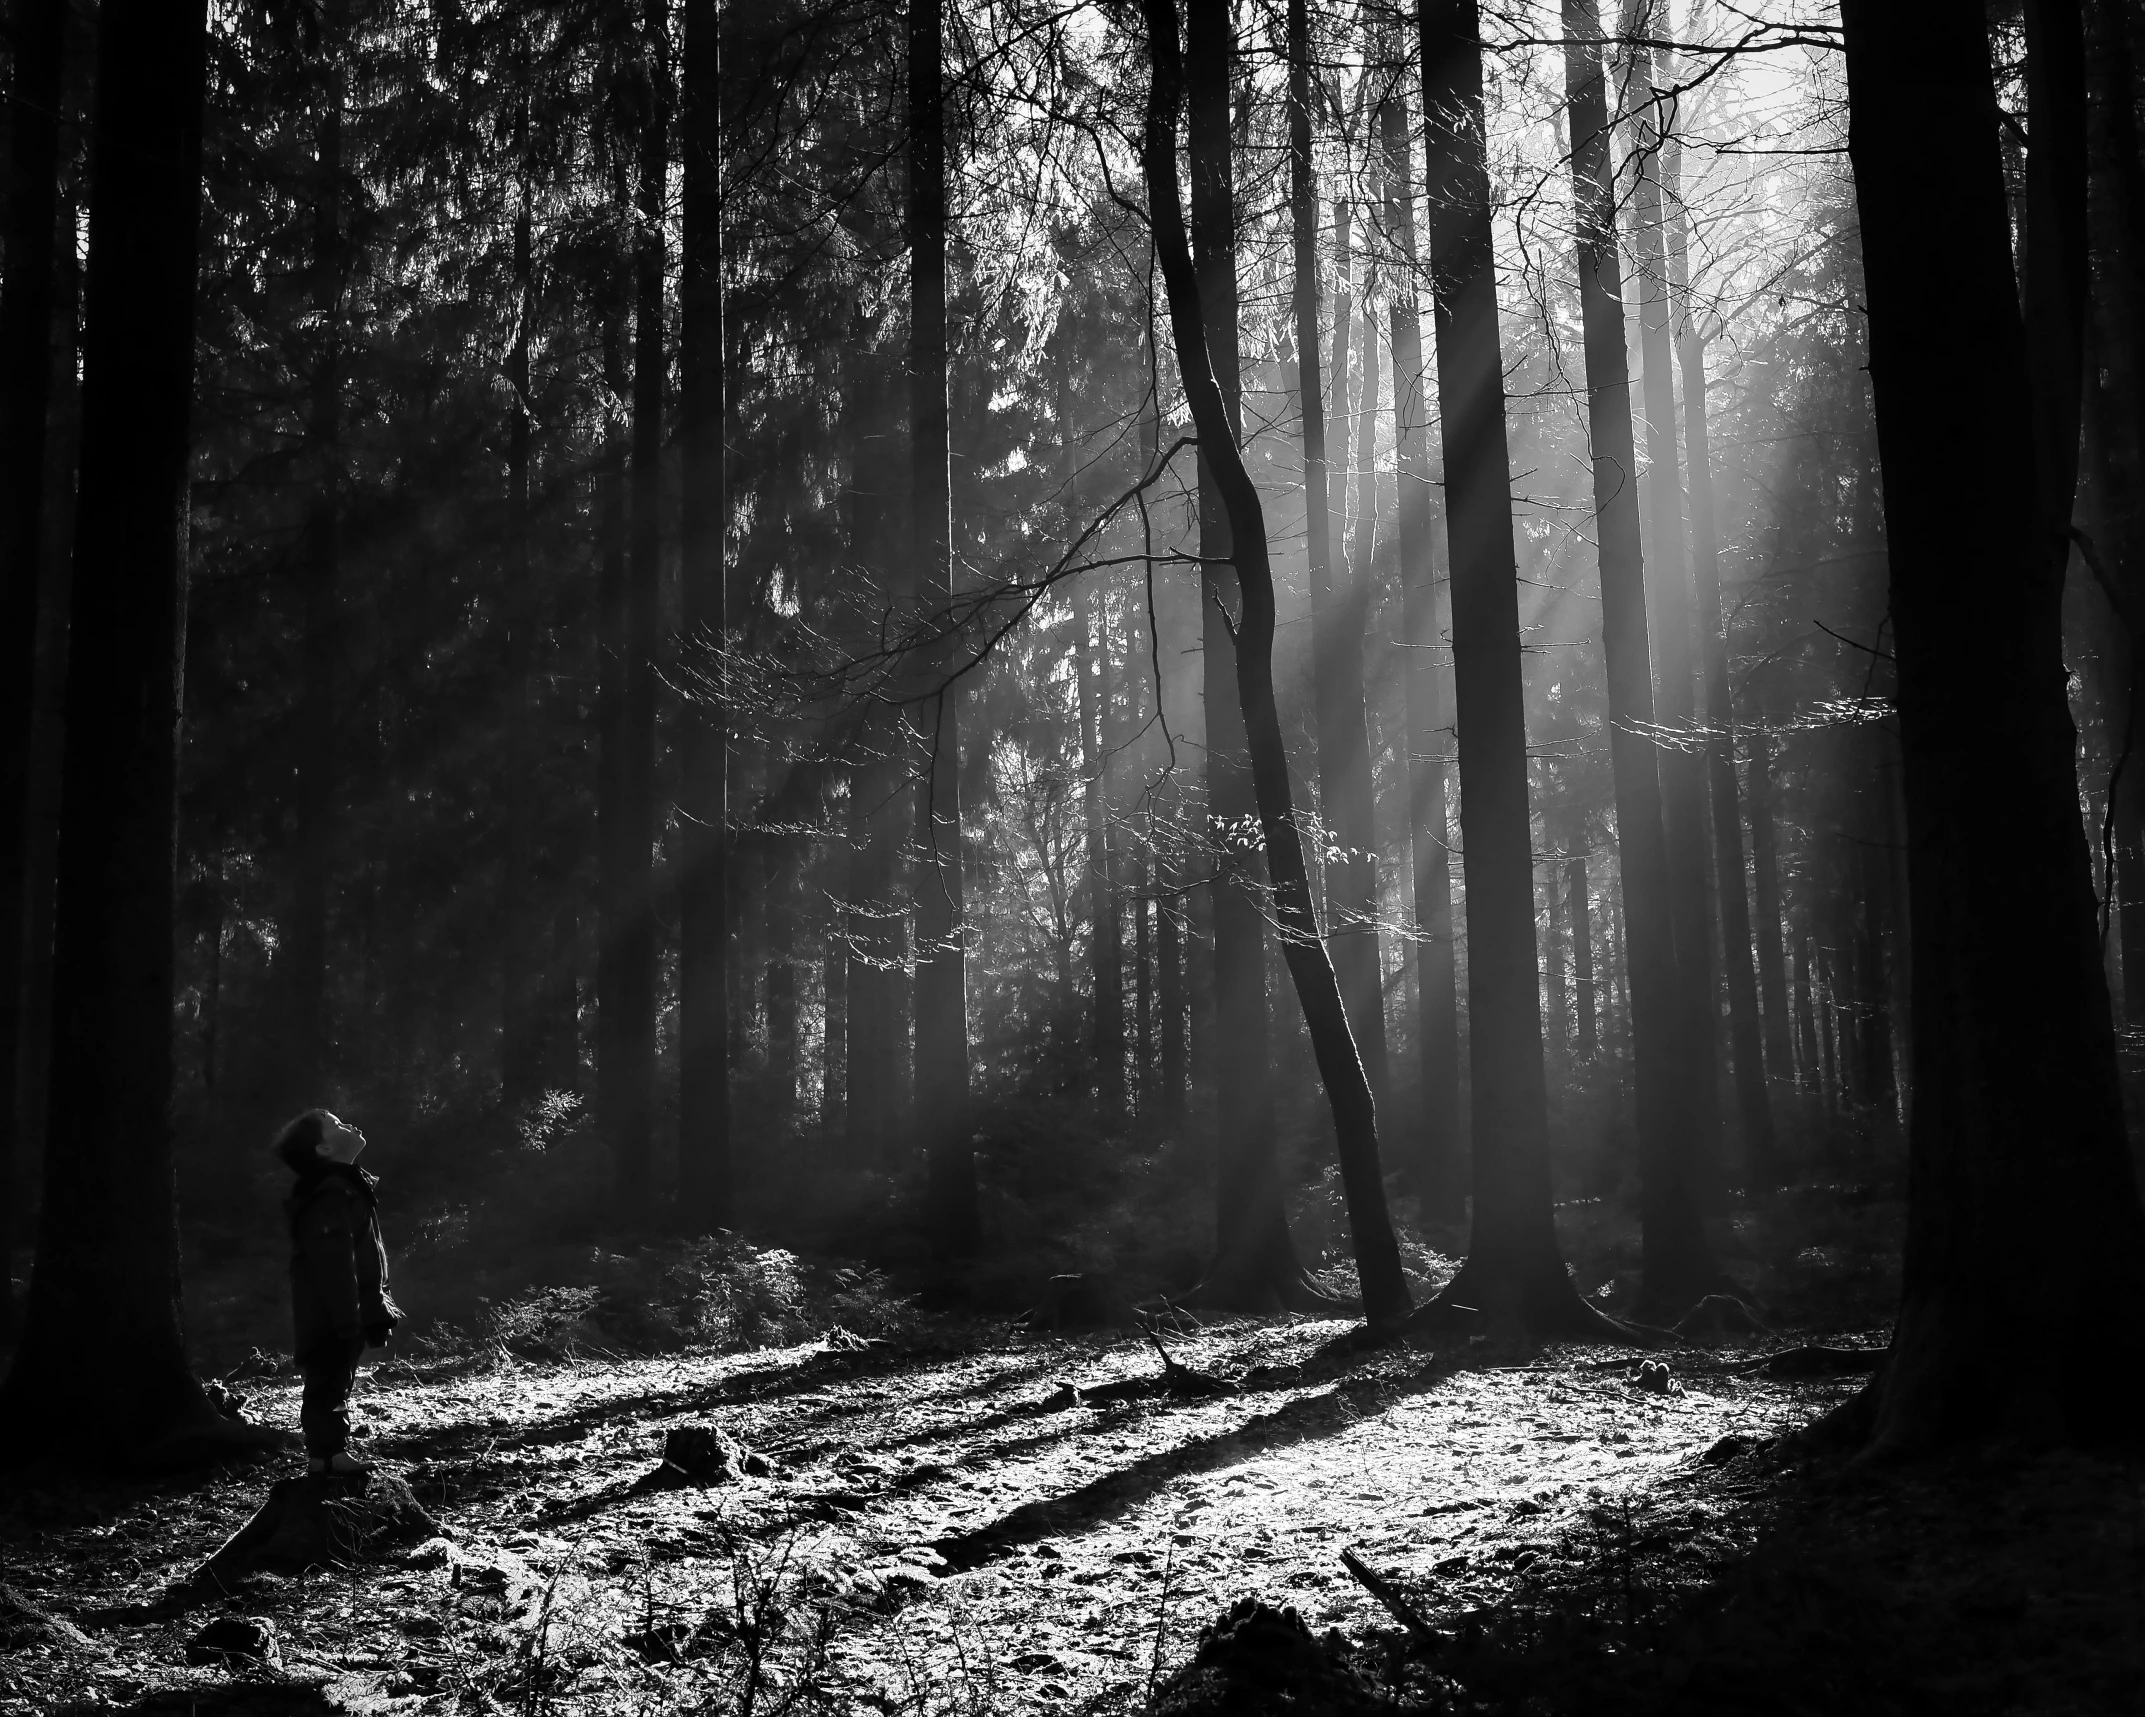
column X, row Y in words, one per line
column 992, row 1542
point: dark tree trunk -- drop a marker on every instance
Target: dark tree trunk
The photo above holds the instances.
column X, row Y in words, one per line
column 1873, row 1013
column 26, row 299
column 1682, row 769
column 1173, row 1003
column 1811, row 1068
column 615, row 847
column 304, row 945
column 2115, row 439
column 629, row 933
column 778, row 920
column 703, row 722
column 941, row 995
column 1091, row 654
column 1337, row 614
column 1435, row 1162
column 834, row 1039
column 1829, row 1070
column 1582, row 953
column 1255, row 1258
column 1765, row 878
column 1385, row 1291
column 1559, row 1010
column 1514, row 1270
column 1143, row 994
column 48, row 723
column 2017, row 1146
column 1754, row 1108
column 1676, row 1265
column 107, row 1276
column 876, row 948
column 521, row 988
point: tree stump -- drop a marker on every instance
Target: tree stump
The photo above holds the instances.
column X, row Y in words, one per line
column 1081, row 1302
column 1257, row 1661
column 320, row 1520
column 703, row 1455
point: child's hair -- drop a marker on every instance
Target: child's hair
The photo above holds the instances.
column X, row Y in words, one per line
column 298, row 1144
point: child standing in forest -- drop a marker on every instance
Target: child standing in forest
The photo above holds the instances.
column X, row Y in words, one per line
column 338, row 1278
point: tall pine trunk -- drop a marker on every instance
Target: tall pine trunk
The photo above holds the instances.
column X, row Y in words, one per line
column 1385, row 1291
column 521, row 989
column 1676, row 1265
column 1765, row 888
column 1682, row 768
column 626, row 964
column 26, row 295
column 2017, row 1148
column 1337, row 615
column 1754, row 1107
column 703, row 722
column 304, row 934
column 632, row 1120
column 941, row 994
column 1514, row 1270
column 1582, row 955
column 106, row 1282
column 1438, row 1170
column 1255, row 1258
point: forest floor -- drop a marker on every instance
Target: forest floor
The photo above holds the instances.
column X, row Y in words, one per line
column 977, row 1519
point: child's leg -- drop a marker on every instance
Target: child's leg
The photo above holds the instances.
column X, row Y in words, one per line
column 324, row 1409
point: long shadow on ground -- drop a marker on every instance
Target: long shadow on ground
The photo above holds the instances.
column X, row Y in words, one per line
column 1321, row 1415
column 761, row 1384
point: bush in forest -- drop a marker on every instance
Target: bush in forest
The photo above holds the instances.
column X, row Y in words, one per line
column 720, row 1293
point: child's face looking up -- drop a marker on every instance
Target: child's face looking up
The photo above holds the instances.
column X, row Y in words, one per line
column 340, row 1142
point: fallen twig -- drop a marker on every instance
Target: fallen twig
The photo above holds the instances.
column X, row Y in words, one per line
column 1814, row 1361
column 1398, row 1607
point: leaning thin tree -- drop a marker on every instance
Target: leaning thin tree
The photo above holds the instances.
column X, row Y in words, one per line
column 1385, row 1290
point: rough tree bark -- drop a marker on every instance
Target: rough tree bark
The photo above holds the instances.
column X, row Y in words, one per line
column 39, row 43
column 1765, row 886
column 1255, row 1263
column 1676, row 1266
column 1091, row 657
column 303, row 949
column 941, row 996
column 1582, row 953
column 521, row 989
column 1385, row 1290
column 703, row 722
column 1558, row 1012
column 107, row 1276
column 2016, row 1149
column 1337, row 614
column 1438, row 1171
column 1514, row 1270
column 626, row 1068
column 1754, row 1107
column 1682, row 768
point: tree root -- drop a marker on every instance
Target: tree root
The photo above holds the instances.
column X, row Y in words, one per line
column 320, row 1520
column 1814, row 1362
column 1547, row 1308
column 1182, row 1379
